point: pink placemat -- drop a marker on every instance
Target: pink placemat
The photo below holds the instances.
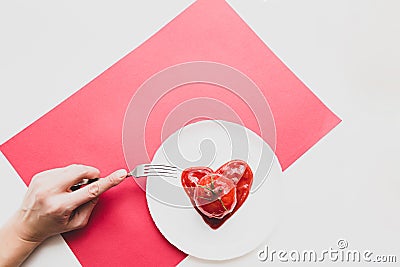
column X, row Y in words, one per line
column 87, row 127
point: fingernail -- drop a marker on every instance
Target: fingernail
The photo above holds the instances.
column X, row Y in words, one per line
column 121, row 174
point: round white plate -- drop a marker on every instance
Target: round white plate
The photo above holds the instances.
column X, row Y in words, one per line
column 173, row 213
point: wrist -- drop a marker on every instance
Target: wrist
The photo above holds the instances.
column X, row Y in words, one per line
column 24, row 230
column 14, row 249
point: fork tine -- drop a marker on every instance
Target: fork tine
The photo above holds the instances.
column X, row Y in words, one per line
column 162, row 174
column 160, row 171
column 160, row 167
column 157, row 174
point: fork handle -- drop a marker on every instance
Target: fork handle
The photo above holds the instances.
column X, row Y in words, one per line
column 89, row 181
column 83, row 183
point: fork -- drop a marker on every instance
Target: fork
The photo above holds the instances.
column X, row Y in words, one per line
column 154, row 170
column 141, row 170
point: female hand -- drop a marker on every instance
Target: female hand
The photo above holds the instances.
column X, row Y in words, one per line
column 50, row 208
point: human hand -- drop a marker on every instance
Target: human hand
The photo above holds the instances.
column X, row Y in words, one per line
column 50, row 207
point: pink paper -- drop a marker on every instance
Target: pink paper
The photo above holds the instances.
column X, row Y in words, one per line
column 87, row 127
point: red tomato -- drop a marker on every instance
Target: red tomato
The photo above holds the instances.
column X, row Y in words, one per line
column 218, row 195
column 215, row 196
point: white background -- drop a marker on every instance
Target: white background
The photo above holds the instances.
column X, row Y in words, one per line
column 346, row 51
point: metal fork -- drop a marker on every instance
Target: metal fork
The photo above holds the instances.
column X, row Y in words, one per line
column 154, row 170
column 139, row 171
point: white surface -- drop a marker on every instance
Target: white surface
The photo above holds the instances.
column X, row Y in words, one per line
column 183, row 226
column 346, row 51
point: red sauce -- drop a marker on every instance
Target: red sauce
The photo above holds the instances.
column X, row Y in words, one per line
column 237, row 171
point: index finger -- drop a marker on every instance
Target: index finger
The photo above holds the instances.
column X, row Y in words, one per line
column 75, row 173
column 93, row 190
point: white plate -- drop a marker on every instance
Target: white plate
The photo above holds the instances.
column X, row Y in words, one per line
column 178, row 221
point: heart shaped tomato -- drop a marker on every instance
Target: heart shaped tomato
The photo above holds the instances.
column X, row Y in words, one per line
column 218, row 195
